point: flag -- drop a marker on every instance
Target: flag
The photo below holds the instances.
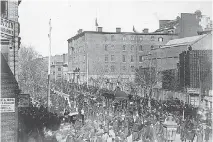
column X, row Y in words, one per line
column 50, row 23
column 134, row 29
column 96, row 22
column 49, row 27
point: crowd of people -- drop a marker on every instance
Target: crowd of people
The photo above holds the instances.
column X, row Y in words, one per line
column 33, row 120
column 107, row 118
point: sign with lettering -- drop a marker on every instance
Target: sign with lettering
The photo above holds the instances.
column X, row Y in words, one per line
column 7, row 27
column 193, row 90
column 23, row 100
column 7, row 105
column 194, row 100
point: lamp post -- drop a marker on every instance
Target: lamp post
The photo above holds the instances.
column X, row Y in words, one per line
column 169, row 129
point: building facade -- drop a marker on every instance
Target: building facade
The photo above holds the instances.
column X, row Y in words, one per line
column 10, row 29
column 59, row 67
column 167, row 57
column 195, row 68
column 10, row 43
column 111, row 54
column 187, row 25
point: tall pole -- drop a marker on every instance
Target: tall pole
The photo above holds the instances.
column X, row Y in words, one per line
column 199, row 80
column 149, row 103
column 48, row 95
column 14, row 49
column 87, row 69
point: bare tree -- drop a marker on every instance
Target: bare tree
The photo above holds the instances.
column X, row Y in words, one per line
column 33, row 72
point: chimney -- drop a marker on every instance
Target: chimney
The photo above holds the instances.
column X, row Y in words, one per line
column 80, row 31
column 146, row 30
column 63, row 58
column 118, row 30
column 99, row 29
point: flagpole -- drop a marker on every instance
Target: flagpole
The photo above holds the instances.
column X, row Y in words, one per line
column 48, row 94
column 87, row 69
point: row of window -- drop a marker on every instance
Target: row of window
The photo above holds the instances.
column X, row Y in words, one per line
column 106, row 47
column 160, row 39
column 112, row 68
column 132, row 59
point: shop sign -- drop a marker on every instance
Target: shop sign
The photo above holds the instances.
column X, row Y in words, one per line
column 7, row 105
column 7, row 27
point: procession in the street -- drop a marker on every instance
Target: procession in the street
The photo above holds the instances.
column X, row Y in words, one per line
column 100, row 115
column 106, row 71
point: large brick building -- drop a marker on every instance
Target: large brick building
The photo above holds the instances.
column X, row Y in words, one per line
column 111, row 54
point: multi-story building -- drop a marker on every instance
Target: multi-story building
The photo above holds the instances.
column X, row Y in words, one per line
column 167, row 57
column 59, row 67
column 195, row 67
column 111, row 54
column 10, row 28
column 10, row 43
column 187, row 25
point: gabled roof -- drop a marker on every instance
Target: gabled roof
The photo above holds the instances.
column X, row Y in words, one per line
column 184, row 41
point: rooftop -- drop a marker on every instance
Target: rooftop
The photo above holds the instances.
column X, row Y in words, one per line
column 124, row 33
column 183, row 41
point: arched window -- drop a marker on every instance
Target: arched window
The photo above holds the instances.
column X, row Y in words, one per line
column 152, row 38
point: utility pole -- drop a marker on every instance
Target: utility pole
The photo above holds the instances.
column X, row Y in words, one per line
column 48, row 93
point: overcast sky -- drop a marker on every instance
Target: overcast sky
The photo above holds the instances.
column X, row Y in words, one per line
column 68, row 16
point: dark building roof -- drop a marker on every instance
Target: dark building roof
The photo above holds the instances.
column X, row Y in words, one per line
column 184, row 41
